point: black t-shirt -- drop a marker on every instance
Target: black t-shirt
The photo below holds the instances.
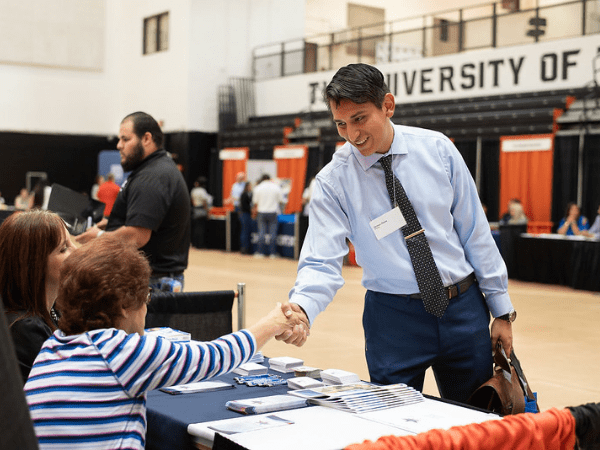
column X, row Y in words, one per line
column 155, row 197
column 28, row 334
column 246, row 202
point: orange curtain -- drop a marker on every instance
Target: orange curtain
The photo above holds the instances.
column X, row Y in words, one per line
column 291, row 163
column 526, row 173
column 551, row 430
column 234, row 161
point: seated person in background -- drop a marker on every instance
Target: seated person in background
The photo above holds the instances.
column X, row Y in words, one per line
column 594, row 231
column 573, row 224
column 88, row 385
column 33, row 245
column 514, row 214
column 24, row 200
column 517, row 215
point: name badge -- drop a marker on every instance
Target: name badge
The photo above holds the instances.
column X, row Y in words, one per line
column 387, row 223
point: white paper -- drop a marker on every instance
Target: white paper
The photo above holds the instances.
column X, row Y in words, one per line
column 387, row 223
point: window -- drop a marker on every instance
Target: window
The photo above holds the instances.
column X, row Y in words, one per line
column 156, row 33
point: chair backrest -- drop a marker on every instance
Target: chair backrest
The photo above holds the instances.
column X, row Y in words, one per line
column 205, row 315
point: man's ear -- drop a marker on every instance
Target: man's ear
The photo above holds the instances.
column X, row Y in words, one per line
column 389, row 105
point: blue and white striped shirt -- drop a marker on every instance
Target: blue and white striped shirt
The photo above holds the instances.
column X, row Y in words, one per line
column 89, row 390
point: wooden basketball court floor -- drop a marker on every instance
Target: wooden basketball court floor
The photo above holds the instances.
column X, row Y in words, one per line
column 556, row 335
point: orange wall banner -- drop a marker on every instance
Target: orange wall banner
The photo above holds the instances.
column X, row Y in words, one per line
column 291, row 164
column 526, row 164
column 234, row 161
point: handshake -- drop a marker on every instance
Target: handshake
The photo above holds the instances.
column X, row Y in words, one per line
column 286, row 322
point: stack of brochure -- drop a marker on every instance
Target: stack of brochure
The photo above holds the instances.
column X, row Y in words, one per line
column 260, row 405
column 360, row 397
column 257, row 358
column 250, row 369
column 284, row 364
column 303, row 383
column 306, row 371
column 169, row 333
column 337, row 376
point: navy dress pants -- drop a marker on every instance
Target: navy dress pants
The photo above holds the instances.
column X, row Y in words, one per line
column 402, row 341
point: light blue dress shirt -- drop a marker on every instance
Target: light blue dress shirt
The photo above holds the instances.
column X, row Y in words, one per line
column 350, row 192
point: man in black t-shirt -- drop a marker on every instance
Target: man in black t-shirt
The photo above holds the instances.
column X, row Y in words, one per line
column 152, row 210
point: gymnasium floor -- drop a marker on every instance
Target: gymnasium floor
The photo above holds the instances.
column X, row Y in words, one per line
column 556, row 335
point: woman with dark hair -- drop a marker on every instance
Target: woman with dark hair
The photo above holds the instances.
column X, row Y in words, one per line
column 573, row 224
column 33, row 245
column 88, row 386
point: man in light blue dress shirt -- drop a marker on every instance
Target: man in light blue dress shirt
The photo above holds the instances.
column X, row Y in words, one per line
column 350, row 195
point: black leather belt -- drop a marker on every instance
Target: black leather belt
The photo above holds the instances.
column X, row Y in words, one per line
column 455, row 289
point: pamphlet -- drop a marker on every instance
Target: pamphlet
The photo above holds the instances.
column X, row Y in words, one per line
column 245, row 424
column 360, row 397
column 201, row 386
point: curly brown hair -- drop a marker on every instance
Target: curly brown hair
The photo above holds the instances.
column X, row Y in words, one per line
column 98, row 281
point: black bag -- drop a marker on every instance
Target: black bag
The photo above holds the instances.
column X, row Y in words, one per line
column 508, row 391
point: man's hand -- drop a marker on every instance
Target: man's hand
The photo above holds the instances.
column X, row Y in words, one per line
column 298, row 335
column 91, row 233
column 502, row 331
column 88, row 235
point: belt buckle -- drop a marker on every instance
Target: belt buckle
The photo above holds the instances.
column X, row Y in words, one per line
column 452, row 291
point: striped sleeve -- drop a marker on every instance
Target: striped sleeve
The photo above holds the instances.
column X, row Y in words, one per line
column 143, row 363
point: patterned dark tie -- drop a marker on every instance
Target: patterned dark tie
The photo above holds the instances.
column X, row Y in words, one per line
column 435, row 298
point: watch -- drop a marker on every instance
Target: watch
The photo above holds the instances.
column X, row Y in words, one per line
column 510, row 317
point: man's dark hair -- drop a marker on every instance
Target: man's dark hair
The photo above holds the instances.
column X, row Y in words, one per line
column 144, row 123
column 359, row 83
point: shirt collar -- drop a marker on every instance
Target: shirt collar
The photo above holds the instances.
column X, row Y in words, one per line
column 398, row 148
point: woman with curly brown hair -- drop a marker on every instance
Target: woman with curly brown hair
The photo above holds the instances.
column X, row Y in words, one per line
column 88, row 386
column 33, row 245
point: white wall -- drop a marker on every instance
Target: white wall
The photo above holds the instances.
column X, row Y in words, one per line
column 222, row 38
column 209, row 41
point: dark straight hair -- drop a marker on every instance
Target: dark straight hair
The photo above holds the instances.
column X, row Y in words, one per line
column 144, row 123
column 359, row 83
column 26, row 241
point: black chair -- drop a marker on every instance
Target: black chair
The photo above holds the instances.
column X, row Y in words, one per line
column 205, row 315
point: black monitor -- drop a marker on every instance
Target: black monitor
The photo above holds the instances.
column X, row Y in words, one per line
column 75, row 208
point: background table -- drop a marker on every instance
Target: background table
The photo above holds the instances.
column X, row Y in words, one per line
column 557, row 259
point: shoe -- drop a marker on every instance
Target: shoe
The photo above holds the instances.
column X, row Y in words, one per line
column 259, row 255
column 273, row 256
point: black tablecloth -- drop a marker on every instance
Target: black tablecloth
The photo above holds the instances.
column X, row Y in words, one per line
column 169, row 415
column 574, row 263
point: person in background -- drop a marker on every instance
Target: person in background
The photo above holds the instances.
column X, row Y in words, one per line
column 267, row 198
column 97, row 183
column 201, row 204
column 33, row 246
column 573, row 224
column 153, row 208
column 514, row 213
column 594, row 230
column 236, row 190
column 107, row 193
column 364, row 194
column 87, row 388
column 246, row 220
column 24, row 201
